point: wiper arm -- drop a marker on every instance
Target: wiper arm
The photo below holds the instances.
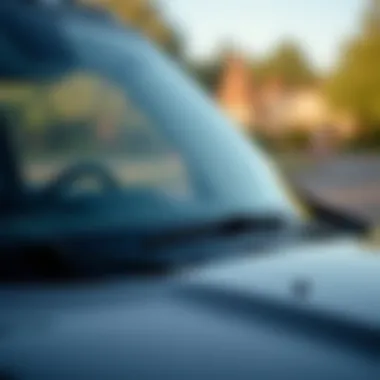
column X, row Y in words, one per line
column 47, row 263
column 230, row 226
column 34, row 262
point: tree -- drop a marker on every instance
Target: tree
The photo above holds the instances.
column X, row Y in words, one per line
column 355, row 84
column 145, row 16
column 371, row 19
column 209, row 73
column 288, row 63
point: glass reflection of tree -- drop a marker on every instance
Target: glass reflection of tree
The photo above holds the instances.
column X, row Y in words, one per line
column 28, row 111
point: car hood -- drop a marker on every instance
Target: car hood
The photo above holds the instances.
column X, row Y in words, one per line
column 339, row 277
column 240, row 318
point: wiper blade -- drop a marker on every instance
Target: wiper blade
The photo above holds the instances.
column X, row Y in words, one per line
column 230, row 226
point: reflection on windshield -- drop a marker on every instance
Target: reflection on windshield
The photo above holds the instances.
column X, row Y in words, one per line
column 82, row 117
column 122, row 104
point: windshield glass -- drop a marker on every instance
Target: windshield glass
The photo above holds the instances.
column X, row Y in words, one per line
column 91, row 94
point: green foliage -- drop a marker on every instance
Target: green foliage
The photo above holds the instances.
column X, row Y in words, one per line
column 296, row 140
column 371, row 19
column 145, row 16
column 368, row 139
column 263, row 140
column 207, row 74
column 355, row 84
column 287, row 63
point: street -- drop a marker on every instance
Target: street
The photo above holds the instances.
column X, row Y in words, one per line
column 351, row 183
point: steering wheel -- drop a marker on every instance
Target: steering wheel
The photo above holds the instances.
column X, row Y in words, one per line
column 76, row 172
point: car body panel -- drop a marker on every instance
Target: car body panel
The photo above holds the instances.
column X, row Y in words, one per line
column 166, row 328
column 342, row 275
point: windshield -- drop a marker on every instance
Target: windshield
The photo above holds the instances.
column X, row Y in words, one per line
column 88, row 94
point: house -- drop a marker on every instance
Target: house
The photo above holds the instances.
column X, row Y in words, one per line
column 274, row 107
column 235, row 93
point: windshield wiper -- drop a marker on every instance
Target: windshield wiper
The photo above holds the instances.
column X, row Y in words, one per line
column 43, row 262
column 226, row 227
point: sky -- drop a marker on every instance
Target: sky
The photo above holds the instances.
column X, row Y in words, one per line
column 256, row 26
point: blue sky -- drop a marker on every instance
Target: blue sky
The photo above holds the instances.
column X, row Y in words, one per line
column 320, row 26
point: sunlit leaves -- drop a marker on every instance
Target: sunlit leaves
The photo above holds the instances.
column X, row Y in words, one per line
column 355, row 84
